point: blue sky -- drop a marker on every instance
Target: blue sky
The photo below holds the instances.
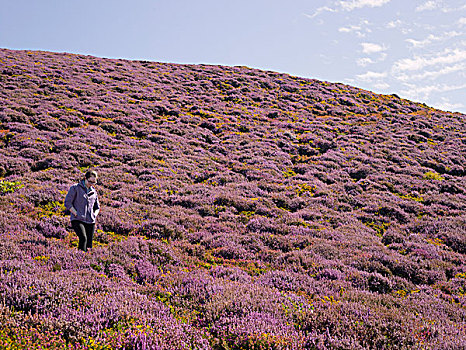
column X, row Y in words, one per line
column 414, row 48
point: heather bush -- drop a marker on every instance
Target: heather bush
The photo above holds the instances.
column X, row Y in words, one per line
column 256, row 330
column 240, row 209
column 15, row 165
column 117, row 222
column 162, row 228
column 51, row 227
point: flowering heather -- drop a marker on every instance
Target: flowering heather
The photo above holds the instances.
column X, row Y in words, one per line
column 241, row 209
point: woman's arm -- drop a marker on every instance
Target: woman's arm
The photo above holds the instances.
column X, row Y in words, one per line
column 69, row 199
column 96, row 206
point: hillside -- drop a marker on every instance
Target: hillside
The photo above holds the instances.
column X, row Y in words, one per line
column 241, row 209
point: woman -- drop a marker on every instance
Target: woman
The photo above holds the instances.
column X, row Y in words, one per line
column 83, row 204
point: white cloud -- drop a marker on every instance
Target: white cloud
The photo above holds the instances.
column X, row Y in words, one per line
column 419, row 47
column 355, row 4
column 364, row 61
column 369, row 48
column 461, row 67
column 406, row 31
column 349, row 29
column 382, row 86
column 447, row 105
column 348, row 5
column 429, row 5
column 448, row 56
column 394, row 24
column 432, row 38
column 399, row 25
column 360, row 29
column 447, row 9
column 416, row 43
column 423, row 92
column 319, row 11
column 370, row 76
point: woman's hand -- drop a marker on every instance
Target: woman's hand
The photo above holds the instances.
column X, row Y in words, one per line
column 74, row 211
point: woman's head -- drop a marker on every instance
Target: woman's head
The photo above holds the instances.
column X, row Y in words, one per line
column 90, row 177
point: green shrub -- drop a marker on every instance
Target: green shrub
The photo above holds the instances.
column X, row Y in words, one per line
column 430, row 175
column 9, row 186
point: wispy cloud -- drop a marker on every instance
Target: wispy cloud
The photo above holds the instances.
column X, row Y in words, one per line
column 381, row 85
column 376, row 80
column 402, row 26
column 348, row 5
column 448, row 56
column 433, row 38
column 429, row 5
column 319, row 11
column 460, row 67
column 364, row 61
column 423, row 92
column 370, row 48
column 417, row 51
column 394, row 24
column 371, row 76
column 361, row 30
column 349, row 29
column 355, row 4
column 441, row 6
column 446, row 105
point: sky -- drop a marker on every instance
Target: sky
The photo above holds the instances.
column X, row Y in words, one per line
column 413, row 48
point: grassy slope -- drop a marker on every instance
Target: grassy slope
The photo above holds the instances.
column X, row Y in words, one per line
column 247, row 206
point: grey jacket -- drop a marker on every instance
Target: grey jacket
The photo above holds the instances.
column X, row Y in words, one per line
column 84, row 200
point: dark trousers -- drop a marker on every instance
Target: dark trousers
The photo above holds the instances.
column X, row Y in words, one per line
column 85, row 233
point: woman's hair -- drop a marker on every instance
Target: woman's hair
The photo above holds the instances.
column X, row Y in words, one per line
column 90, row 173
